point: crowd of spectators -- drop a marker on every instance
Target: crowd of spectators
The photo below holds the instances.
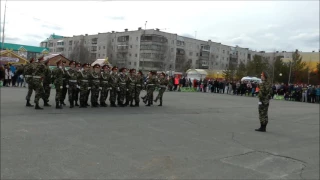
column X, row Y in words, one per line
column 11, row 76
column 291, row 92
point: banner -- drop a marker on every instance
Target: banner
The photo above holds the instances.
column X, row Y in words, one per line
column 9, row 59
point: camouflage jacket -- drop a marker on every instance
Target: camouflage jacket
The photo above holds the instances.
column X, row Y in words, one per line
column 47, row 76
column 28, row 71
column 94, row 79
column 139, row 81
column 265, row 92
column 162, row 83
column 58, row 74
column 83, row 78
column 151, row 82
column 72, row 76
column 105, row 77
column 131, row 81
column 123, row 80
column 114, row 80
column 39, row 70
column 65, row 75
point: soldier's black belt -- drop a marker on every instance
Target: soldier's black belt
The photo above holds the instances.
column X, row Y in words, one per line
column 163, row 86
column 123, row 83
column 150, row 84
column 138, row 85
column 74, row 81
column 132, row 84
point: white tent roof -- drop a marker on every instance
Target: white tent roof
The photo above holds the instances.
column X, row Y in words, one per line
column 50, row 56
column 197, row 71
column 100, row 62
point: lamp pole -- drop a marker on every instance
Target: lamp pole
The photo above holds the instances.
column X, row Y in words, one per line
column 4, row 24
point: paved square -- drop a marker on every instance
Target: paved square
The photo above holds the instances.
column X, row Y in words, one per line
column 193, row 136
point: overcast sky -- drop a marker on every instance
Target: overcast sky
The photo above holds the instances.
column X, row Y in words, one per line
column 258, row 25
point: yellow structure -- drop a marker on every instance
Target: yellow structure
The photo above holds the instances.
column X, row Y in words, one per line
column 310, row 58
column 9, row 57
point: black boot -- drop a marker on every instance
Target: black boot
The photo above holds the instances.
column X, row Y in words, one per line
column 87, row 104
column 261, row 129
column 28, row 104
column 103, row 104
column 136, row 104
column 160, row 102
column 37, row 106
column 121, row 104
column 62, row 102
column 131, row 104
column 76, row 103
column 113, row 104
column 94, row 104
column 156, row 100
column 58, row 105
column 82, row 105
column 71, row 104
column 126, row 103
column 149, row 103
column 46, row 104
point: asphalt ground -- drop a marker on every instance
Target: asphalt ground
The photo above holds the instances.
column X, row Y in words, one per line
column 193, row 136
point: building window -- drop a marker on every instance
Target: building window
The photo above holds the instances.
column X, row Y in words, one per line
column 190, row 53
column 172, row 41
column 98, row 55
column 171, row 49
column 99, row 47
column 137, row 38
column 197, row 54
column 130, row 46
column 130, row 63
column 217, row 56
column 130, row 54
column 223, row 51
column 135, row 63
column 104, row 47
column 103, row 55
column 136, row 55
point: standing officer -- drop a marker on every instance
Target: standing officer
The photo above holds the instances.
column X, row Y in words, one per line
column 95, row 78
column 122, row 87
column 47, row 81
column 28, row 71
column 265, row 94
column 162, row 84
column 138, row 87
column 131, row 83
column 151, row 83
column 78, row 70
column 72, row 83
column 114, row 85
column 83, row 82
column 105, row 76
column 65, row 82
column 58, row 74
column 39, row 73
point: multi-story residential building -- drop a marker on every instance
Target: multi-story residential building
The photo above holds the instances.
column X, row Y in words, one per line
column 25, row 51
column 151, row 50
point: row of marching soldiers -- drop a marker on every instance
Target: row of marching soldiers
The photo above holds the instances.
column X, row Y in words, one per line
column 121, row 87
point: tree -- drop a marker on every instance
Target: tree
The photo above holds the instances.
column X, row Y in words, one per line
column 229, row 72
column 241, row 71
column 281, row 71
column 256, row 66
column 80, row 53
column 297, row 67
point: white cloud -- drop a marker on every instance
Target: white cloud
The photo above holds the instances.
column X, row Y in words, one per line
column 257, row 25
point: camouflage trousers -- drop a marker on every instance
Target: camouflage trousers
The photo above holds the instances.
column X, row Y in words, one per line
column 72, row 91
column 64, row 90
column 94, row 93
column 84, row 93
column 130, row 93
column 160, row 94
column 122, row 93
column 104, row 93
column 263, row 113
column 58, row 92
column 77, row 95
column 30, row 89
column 47, row 90
column 150, row 91
column 113, row 94
column 137, row 92
column 39, row 90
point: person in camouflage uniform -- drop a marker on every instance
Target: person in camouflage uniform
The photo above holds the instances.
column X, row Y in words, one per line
column 72, row 83
column 131, row 84
column 105, row 76
column 58, row 74
column 114, row 85
column 39, row 73
column 78, row 69
column 47, row 82
column 27, row 73
column 83, row 82
column 122, row 86
column 95, row 78
column 138, row 87
column 151, row 83
column 162, row 84
column 265, row 94
column 65, row 82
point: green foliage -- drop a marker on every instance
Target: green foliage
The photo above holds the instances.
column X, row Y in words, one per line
column 298, row 66
column 256, row 66
column 241, row 71
column 281, row 70
column 229, row 73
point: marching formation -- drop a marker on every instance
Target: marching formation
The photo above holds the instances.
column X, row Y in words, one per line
column 100, row 82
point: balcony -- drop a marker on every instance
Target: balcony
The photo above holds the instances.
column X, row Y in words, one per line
column 153, row 38
column 205, row 48
column 122, row 48
column 123, row 39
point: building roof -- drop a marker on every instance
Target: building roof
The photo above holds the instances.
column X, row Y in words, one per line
column 53, row 36
column 17, row 47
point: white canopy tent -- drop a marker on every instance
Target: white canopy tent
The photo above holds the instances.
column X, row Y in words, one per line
column 254, row 79
column 196, row 74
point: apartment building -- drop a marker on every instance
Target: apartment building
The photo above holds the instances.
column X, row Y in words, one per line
column 151, row 49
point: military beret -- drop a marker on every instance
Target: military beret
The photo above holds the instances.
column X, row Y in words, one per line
column 162, row 73
column 114, row 68
column 72, row 62
column 84, row 64
column 105, row 66
column 31, row 59
column 78, row 64
column 132, row 70
column 140, row 72
column 96, row 66
column 122, row 69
